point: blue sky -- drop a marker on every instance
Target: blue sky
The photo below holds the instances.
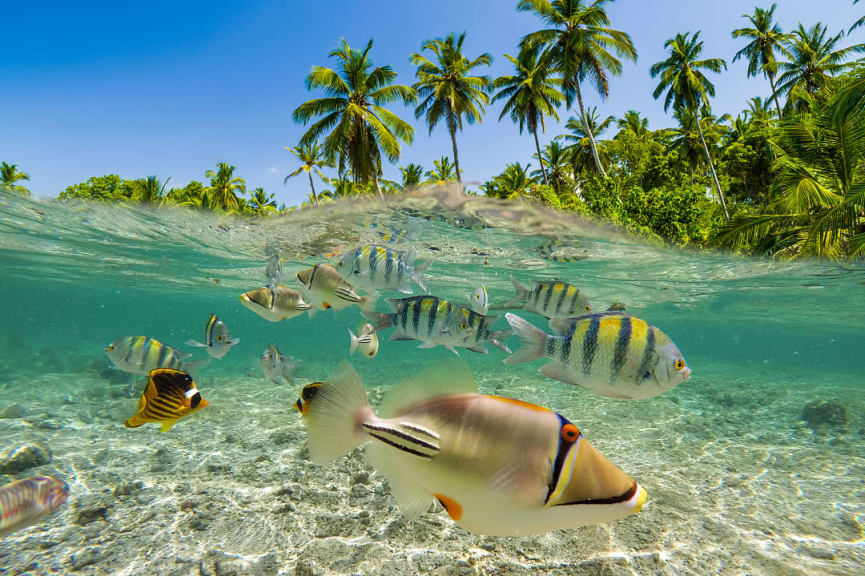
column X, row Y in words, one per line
column 171, row 88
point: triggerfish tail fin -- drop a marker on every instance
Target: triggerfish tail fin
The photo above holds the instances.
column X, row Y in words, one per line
column 354, row 342
column 335, row 415
column 518, row 299
column 380, row 321
column 419, row 271
column 533, row 341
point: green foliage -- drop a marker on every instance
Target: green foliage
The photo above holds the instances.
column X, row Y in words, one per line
column 444, row 172
column 9, row 175
column 411, row 175
column 225, row 188
column 109, row 187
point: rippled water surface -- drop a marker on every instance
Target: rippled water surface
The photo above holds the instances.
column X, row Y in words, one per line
column 740, row 480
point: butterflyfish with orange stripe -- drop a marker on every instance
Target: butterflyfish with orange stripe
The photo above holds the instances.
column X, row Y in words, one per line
column 140, row 355
column 169, row 396
column 615, row 355
column 217, row 338
column 26, row 502
column 498, row 466
column 551, row 299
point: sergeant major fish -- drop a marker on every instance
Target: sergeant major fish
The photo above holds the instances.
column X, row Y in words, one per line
column 217, row 338
column 373, row 268
column 169, row 396
column 276, row 366
column 498, row 466
column 325, row 289
column 366, row 341
column 553, row 299
column 275, row 302
column 25, row 502
column 613, row 354
column 140, row 355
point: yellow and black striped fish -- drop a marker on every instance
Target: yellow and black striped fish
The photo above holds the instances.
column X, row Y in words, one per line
column 373, row 267
column 614, row 354
column 552, row 299
column 140, row 355
column 169, row 396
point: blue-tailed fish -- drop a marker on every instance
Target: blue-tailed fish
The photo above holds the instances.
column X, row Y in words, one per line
column 26, row 502
column 140, row 355
column 553, row 299
column 217, row 338
column 169, row 396
column 613, row 354
column 326, row 289
column 479, row 301
column 438, row 322
column 275, row 303
column 498, row 466
column 277, row 367
column 374, row 268
column 366, row 341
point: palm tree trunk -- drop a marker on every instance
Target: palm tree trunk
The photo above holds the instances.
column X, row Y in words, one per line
column 311, row 185
column 377, row 187
column 711, row 166
column 774, row 94
column 456, row 156
column 540, row 158
column 589, row 132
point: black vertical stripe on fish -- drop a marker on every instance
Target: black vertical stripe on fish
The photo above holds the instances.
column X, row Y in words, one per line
column 621, row 352
column 373, row 254
column 163, row 353
column 548, row 296
column 431, row 322
column 573, row 306
column 562, row 296
column 590, row 344
column 561, row 454
column 447, row 313
column 388, row 264
column 403, row 315
column 311, row 278
column 647, row 353
column 399, row 446
column 536, row 295
column 567, row 341
column 415, row 314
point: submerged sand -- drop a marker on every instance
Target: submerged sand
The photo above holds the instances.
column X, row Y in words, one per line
column 738, row 484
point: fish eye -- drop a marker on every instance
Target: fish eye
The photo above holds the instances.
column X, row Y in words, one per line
column 219, row 338
column 679, row 365
column 588, row 308
column 570, row 432
column 111, row 346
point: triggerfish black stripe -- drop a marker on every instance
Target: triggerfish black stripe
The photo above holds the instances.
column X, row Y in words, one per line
column 400, row 446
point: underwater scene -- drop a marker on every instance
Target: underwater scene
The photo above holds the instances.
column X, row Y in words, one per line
column 439, row 384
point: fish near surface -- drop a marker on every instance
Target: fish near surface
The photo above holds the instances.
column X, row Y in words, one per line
column 141, row 355
column 25, row 502
column 551, row 299
column 169, row 396
column 217, row 338
column 275, row 303
column 277, row 367
column 499, row 466
column 326, row 289
column 613, row 354
column 374, row 268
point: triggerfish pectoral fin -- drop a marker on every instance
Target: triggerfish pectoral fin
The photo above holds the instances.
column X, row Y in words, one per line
column 453, row 508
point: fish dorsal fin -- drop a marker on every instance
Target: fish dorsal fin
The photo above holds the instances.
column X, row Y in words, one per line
column 394, row 303
column 443, row 378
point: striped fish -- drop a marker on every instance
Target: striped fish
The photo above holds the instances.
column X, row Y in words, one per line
column 25, row 502
column 552, row 299
column 169, row 396
column 437, row 322
column 367, row 341
column 326, row 289
column 373, row 267
column 499, row 466
column 275, row 302
column 140, row 355
column 217, row 338
column 277, row 367
column 613, row 354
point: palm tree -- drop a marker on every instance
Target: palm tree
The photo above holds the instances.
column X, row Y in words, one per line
column 759, row 113
column 225, row 187
column 558, row 161
column 766, row 38
column 312, row 158
column 411, row 175
column 513, row 182
column 443, row 172
column 9, row 175
column 149, row 190
column 686, row 140
column 356, row 126
column 857, row 23
column 532, row 93
column 813, row 60
column 582, row 157
column 583, row 46
column 447, row 89
column 635, row 122
column 261, row 203
column 200, row 198
column 687, row 87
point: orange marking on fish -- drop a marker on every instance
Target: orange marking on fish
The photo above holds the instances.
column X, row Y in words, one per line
column 528, row 405
column 325, row 305
column 454, row 510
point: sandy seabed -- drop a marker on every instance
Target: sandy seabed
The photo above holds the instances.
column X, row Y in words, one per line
column 737, row 484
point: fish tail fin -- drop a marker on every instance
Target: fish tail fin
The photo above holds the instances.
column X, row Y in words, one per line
column 497, row 339
column 353, row 347
column 418, row 275
column 191, row 367
column 518, row 298
column 379, row 321
column 336, row 414
column 367, row 303
column 533, row 341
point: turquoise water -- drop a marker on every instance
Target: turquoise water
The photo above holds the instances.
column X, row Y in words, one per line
column 738, row 481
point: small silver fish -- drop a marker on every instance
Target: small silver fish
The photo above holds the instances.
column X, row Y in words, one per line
column 367, row 341
column 217, row 338
column 141, row 355
column 479, row 301
column 25, row 502
column 277, row 367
